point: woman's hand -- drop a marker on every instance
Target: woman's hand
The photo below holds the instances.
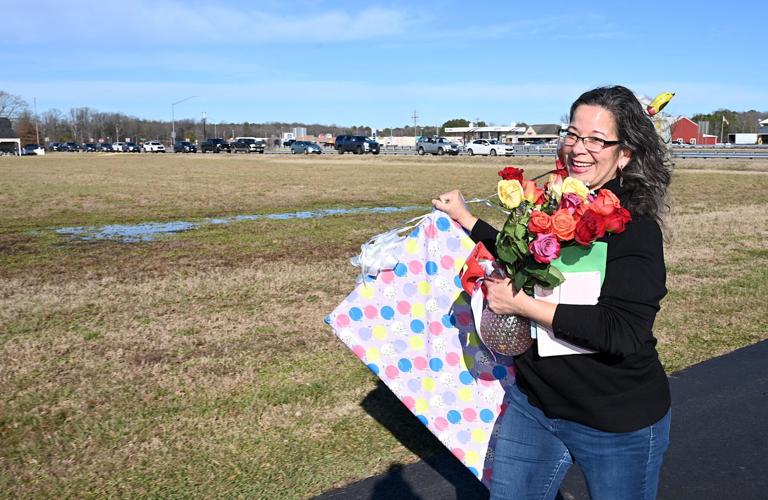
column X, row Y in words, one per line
column 452, row 203
column 503, row 298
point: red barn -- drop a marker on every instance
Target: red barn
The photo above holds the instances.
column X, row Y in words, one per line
column 687, row 131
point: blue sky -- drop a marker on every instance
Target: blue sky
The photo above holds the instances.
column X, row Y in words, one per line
column 373, row 63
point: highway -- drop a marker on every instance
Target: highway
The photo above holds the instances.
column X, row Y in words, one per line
column 720, row 153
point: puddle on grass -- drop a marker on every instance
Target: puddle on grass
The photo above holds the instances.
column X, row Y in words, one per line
column 148, row 231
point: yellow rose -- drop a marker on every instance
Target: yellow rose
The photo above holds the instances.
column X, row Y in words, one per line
column 555, row 184
column 510, row 193
column 571, row 185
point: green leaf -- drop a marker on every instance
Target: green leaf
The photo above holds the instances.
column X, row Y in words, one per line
column 555, row 272
column 521, row 231
column 520, row 278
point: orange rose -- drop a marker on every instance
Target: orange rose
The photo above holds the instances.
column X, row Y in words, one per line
column 532, row 193
column 540, row 222
column 605, row 203
column 563, row 225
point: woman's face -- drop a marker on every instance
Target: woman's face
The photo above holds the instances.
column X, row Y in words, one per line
column 594, row 168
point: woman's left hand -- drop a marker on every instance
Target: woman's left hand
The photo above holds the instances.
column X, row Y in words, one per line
column 503, row 298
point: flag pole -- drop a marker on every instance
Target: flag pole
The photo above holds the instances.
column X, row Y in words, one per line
column 722, row 123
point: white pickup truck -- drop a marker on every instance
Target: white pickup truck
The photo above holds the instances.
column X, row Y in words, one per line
column 486, row 147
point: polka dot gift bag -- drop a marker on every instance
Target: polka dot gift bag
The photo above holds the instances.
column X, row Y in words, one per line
column 412, row 326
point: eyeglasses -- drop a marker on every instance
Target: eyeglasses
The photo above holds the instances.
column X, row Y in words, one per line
column 591, row 144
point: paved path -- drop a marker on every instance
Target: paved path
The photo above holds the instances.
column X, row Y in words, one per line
column 719, row 443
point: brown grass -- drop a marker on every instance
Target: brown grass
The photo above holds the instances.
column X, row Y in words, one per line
column 198, row 365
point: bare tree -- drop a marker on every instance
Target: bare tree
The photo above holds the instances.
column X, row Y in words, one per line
column 11, row 105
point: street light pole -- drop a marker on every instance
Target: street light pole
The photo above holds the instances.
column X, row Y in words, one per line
column 173, row 118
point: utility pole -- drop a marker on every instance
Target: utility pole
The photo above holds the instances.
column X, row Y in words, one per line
column 204, row 136
column 173, row 118
column 415, row 117
column 37, row 131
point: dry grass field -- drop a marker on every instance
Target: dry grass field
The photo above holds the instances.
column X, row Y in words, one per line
column 198, row 365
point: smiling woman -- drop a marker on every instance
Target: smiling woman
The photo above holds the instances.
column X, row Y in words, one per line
column 620, row 142
column 592, row 407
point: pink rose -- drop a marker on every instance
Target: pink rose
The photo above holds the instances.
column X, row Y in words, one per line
column 570, row 201
column 545, row 248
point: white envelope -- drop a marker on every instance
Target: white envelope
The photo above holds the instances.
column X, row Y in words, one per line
column 581, row 288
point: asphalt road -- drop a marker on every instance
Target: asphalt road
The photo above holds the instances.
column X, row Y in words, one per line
column 719, row 440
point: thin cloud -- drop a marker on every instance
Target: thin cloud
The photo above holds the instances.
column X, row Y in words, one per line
column 171, row 23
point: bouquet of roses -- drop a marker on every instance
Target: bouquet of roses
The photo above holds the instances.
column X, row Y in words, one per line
column 543, row 219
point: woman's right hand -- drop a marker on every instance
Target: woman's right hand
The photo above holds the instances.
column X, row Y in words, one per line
column 452, row 203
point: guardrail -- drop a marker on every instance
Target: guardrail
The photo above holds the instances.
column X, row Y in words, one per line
column 703, row 152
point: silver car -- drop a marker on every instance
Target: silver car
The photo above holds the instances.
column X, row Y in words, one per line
column 436, row 146
column 306, row 147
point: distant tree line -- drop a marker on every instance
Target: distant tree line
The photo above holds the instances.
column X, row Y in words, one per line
column 735, row 121
column 86, row 124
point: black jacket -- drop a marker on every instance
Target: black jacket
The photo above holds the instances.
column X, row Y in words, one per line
column 622, row 387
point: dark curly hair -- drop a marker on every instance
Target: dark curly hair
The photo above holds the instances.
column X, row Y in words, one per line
column 649, row 172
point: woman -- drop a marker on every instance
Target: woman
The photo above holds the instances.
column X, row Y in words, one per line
column 608, row 411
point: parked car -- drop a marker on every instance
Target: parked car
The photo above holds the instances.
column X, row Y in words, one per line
column 90, row 147
column 119, row 146
column 255, row 145
column 54, row 146
column 436, row 146
column 105, row 147
column 357, row 144
column 289, row 142
column 132, row 147
column 71, row 147
column 306, row 147
column 214, row 146
column 239, row 147
column 184, row 147
column 32, row 150
column 486, row 147
column 154, row 147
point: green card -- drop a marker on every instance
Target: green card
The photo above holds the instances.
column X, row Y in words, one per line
column 577, row 259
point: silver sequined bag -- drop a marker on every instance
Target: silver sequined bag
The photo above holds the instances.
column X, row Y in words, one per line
column 506, row 334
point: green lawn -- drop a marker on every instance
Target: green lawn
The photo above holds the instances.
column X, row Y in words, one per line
column 198, row 365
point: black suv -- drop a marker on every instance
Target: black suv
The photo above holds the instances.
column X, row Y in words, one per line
column 214, row 146
column 184, row 147
column 239, row 147
column 357, row 144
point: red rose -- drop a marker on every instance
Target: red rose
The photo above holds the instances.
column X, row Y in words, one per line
column 605, row 203
column 617, row 221
column 580, row 211
column 540, row 222
column 560, row 169
column 512, row 173
column 590, row 227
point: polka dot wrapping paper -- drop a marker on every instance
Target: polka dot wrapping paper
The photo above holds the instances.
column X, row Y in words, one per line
column 412, row 326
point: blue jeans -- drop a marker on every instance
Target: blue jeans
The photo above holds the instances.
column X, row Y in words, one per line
column 533, row 454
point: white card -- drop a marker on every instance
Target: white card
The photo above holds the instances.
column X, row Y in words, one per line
column 582, row 288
